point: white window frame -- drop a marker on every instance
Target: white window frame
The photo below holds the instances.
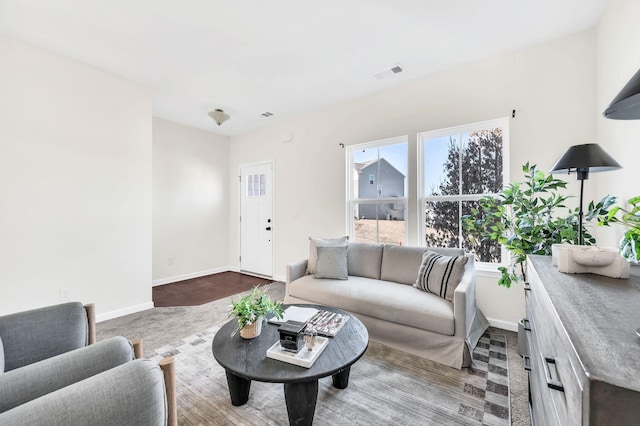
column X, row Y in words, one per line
column 351, row 201
column 422, row 199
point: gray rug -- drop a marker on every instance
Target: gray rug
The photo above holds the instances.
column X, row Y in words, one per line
column 387, row 387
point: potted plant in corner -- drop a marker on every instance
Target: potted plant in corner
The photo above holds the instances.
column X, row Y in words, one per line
column 250, row 311
column 522, row 218
column 630, row 244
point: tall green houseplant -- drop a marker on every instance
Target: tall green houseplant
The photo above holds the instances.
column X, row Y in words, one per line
column 521, row 218
column 630, row 243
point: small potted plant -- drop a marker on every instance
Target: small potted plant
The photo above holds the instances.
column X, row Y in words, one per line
column 630, row 243
column 250, row 311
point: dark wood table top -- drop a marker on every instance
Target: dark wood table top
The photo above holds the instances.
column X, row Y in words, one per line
column 248, row 358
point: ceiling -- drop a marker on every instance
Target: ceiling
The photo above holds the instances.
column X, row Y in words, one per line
column 282, row 56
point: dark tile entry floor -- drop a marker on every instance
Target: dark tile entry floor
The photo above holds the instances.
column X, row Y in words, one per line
column 198, row 291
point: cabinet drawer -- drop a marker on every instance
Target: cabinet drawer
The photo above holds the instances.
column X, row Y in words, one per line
column 562, row 374
column 539, row 395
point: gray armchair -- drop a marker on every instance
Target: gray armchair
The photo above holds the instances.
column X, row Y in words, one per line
column 132, row 394
column 49, row 376
column 31, row 336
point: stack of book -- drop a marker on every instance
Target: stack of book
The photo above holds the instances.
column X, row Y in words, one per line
column 324, row 323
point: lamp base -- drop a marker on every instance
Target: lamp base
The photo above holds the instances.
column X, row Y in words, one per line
column 591, row 259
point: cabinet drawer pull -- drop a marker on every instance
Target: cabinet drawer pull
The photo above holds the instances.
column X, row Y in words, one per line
column 527, row 324
column 527, row 286
column 552, row 384
column 527, row 362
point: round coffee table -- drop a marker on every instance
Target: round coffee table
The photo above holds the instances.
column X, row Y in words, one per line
column 246, row 360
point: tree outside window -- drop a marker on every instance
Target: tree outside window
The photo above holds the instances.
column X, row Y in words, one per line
column 460, row 166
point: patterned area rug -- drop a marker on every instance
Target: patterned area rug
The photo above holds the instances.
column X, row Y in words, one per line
column 386, row 387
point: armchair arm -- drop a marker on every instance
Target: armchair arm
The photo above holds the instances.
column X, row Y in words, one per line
column 128, row 395
column 34, row 335
column 295, row 271
column 41, row 378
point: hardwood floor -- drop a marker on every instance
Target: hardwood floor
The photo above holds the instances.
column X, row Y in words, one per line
column 198, row 291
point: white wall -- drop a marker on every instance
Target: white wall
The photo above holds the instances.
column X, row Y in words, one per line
column 618, row 59
column 75, row 184
column 552, row 87
column 190, row 202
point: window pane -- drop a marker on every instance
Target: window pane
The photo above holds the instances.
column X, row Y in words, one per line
column 393, row 170
column 441, row 166
column 379, row 223
column 485, row 251
column 442, row 223
column 380, row 172
column 365, row 173
column 482, row 161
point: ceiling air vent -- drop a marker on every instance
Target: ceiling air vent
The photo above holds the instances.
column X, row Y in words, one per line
column 267, row 114
column 396, row 69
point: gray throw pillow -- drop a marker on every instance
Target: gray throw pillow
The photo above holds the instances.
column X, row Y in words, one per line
column 332, row 263
column 325, row 242
column 440, row 274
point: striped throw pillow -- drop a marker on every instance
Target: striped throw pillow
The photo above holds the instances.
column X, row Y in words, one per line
column 440, row 274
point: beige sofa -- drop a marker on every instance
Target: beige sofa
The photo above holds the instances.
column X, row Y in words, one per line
column 380, row 293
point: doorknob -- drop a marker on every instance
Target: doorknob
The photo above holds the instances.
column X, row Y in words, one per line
column 268, row 228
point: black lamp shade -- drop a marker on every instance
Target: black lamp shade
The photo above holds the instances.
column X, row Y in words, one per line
column 626, row 106
column 587, row 158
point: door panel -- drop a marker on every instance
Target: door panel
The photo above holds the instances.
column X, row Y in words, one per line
column 256, row 221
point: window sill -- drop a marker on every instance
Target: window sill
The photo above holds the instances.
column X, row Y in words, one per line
column 488, row 271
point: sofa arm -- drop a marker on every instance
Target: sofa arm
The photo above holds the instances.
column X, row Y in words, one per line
column 295, row 271
column 128, row 395
column 464, row 300
column 41, row 378
column 37, row 334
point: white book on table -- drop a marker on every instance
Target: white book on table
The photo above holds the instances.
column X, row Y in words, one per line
column 294, row 313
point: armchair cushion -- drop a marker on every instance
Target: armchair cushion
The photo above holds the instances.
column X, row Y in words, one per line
column 32, row 381
column 128, row 395
column 34, row 335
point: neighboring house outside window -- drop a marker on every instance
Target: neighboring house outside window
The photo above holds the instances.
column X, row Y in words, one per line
column 458, row 166
column 377, row 194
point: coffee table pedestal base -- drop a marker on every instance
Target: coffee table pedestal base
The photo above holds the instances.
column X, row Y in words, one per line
column 341, row 379
column 301, row 400
column 238, row 389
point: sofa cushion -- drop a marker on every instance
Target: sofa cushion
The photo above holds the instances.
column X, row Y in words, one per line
column 440, row 274
column 326, row 242
column 401, row 263
column 332, row 263
column 388, row 301
column 364, row 260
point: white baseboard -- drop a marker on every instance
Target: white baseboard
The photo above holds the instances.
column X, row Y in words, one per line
column 505, row 325
column 280, row 278
column 124, row 311
column 274, row 277
column 183, row 277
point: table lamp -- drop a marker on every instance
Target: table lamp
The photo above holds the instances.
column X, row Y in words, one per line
column 583, row 159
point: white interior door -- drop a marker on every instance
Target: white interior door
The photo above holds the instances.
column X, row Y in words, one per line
column 256, row 219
